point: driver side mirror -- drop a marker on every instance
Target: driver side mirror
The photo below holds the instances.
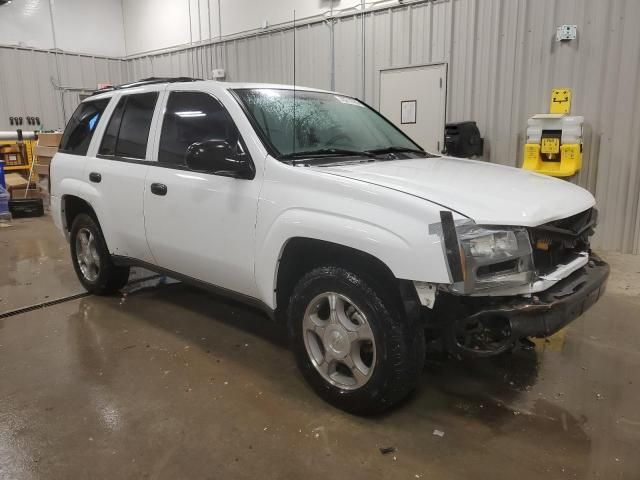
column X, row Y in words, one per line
column 218, row 158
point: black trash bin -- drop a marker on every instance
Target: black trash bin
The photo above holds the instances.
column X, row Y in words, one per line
column 462, row 139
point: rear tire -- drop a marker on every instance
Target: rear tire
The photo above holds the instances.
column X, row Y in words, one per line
column 354, row 348
column 92, row 260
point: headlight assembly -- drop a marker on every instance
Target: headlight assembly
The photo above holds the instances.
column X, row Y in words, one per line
column 493, row 257
column 484, row 259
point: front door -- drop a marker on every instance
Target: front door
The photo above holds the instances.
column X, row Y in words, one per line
column 414, row 99
column 199, row 224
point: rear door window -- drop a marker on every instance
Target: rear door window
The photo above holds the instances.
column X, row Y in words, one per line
column 127, row 134
column 192, row 117
column 77, row 136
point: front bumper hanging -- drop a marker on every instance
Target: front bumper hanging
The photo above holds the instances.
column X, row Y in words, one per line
column 486, row 326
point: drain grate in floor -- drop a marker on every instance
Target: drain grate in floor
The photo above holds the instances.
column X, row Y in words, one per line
column 46, row 304
column 50, row 303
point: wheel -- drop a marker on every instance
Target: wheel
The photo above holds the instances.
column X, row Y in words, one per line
column 91, row 259
column 351, row 346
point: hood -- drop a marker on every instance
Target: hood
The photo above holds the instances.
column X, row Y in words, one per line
column 488, row 193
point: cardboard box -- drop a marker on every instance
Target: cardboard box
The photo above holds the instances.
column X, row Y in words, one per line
column 50, row 139
column 45, row 151
column 44, row 160
column 20, row 193
column 15, row 180
column 42, row 170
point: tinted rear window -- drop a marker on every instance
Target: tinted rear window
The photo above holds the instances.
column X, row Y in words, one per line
column 128, row 129
column 77, row 136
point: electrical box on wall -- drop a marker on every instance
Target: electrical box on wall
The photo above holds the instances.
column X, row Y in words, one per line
column 218, row 74
column 566, row 32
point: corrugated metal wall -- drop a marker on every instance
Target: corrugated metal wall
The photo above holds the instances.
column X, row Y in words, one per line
column 502, row 63
column 28, row 78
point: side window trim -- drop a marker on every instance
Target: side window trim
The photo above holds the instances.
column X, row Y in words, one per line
column 124, row 109
column 96, row 141
column 156, row 124
column 161, row 120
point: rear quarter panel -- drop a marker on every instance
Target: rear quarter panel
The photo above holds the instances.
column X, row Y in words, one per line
column 66, row 179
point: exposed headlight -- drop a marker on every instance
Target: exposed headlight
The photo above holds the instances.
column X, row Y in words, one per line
column 493, row 244
column 493, row 257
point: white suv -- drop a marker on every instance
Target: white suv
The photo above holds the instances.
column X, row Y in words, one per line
column 312, row 206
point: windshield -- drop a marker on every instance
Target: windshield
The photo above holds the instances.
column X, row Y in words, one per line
column 320, row 123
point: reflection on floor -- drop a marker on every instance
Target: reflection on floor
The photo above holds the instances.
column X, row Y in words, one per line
column 166, row 381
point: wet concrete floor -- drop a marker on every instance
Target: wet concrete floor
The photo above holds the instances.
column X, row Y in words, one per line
column 172, row 382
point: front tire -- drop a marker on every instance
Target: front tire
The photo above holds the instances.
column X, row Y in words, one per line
column 351, row 344
column 92, row 260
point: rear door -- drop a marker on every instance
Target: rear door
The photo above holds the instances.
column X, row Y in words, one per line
column 115, row 174
column 199, row 224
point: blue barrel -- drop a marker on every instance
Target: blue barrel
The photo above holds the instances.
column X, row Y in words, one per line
column 3, row 184
column 5, row 214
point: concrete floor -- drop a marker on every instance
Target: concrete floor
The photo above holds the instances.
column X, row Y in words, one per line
column 171, row 382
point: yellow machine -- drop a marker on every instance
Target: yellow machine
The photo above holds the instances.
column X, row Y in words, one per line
column 17, row 155
column 554, row 140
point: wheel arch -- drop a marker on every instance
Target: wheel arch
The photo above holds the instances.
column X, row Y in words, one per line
column 300, row 255
column 72, row 206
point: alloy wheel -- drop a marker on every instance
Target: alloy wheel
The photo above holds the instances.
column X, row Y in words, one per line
column 339, row 341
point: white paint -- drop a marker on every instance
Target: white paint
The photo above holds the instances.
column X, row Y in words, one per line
column 128, row 27
column 510, row 196
column 232, row 232
column 152, row 24
column 414, row 99
column 82, row 26
column 89, row 26
column 26, row 23
column 156, row 24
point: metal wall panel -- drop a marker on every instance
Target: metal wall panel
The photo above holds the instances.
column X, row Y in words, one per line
column 502, row 63
column 27, row 79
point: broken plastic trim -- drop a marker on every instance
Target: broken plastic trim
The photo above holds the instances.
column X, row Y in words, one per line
column 451, row 246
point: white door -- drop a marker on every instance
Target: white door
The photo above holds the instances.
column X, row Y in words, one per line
column 200, row 224
column 414, row 99
column 115, row 175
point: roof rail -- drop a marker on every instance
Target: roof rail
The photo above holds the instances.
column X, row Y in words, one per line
column 146, row 81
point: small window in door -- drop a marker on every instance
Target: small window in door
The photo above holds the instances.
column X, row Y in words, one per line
column 192, row 117
column 77, row 136
column 128, row 130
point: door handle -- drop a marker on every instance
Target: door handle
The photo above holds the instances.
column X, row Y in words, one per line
column 159, row 189
column 95, row 177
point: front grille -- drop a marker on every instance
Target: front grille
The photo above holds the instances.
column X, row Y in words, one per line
column 559, row 242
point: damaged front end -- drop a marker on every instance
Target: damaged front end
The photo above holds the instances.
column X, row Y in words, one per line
column 510, row 283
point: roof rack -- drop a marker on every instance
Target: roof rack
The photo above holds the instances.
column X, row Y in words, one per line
column 146, row 81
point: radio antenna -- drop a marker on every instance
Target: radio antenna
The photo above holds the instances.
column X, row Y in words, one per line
column 294, row 83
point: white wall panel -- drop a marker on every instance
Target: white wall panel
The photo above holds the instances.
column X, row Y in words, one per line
column 89, row 26
column 84, row 26
column 26, row 24
column 153, row 24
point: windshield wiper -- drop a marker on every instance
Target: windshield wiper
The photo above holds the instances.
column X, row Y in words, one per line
column 327, row 151
column 381, row 151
